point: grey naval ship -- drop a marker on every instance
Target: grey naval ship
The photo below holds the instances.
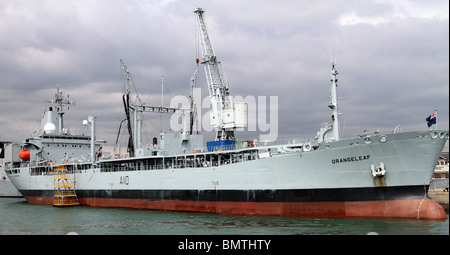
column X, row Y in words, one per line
column 372, row 175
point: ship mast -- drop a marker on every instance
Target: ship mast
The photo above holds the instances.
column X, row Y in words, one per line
column 60, row 103
column 330, row 133
column 134, row 142
column 126, row 104
column 222, row 115
column 334, row 105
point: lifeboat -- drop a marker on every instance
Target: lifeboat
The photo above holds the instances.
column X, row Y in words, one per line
column 24, row 154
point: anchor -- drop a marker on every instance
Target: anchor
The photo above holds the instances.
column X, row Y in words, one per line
column 378, row 171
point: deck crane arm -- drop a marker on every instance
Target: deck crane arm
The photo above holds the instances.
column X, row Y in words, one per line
column 223, row 113
column 193, row 110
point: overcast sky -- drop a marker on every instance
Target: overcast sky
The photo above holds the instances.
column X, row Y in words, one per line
column 392, row 56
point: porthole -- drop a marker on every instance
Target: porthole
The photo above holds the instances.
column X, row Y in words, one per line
column 367, row 140
column 434, row 135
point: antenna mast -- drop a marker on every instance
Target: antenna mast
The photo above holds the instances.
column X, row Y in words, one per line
column 60, row 103
column 334, row 104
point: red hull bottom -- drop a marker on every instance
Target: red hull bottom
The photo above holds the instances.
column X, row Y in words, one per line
column 411, row 209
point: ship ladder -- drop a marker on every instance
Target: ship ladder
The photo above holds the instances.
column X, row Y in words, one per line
column 64, row 192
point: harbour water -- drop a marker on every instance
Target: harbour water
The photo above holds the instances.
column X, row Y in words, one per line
column 17, row 217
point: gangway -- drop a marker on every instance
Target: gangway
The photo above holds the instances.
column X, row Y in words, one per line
column 64, row 191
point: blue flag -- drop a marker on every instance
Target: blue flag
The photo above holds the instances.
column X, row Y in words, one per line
column 431, row 119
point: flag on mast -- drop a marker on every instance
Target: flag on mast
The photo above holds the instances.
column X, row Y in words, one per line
column 431, row 119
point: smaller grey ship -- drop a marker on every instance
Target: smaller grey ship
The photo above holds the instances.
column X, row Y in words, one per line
column 7, row 189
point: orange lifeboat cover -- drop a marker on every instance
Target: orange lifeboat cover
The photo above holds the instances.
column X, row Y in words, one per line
column 24, row 154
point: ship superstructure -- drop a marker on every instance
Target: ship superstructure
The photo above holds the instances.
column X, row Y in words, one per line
column 53, row 144
column 376, row 175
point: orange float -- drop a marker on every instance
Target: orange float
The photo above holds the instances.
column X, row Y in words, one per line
column 24, row 154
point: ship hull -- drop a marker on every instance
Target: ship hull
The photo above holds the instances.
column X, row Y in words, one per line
column 395, row 202
column 334, row 180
